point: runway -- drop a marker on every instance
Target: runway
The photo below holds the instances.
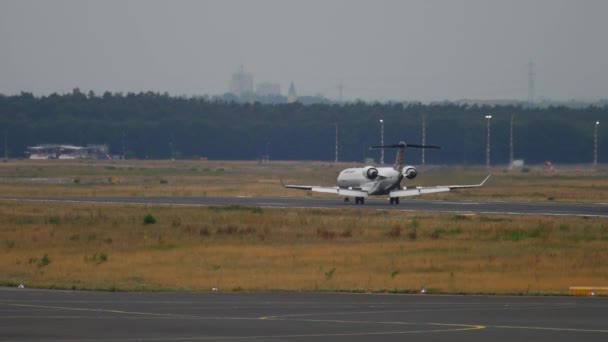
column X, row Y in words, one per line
column 461, row 207
column 46, row 315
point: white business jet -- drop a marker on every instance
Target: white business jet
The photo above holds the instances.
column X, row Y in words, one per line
column 361, row 182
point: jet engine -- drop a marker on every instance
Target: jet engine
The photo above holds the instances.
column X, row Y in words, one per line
column 370, row 172
column 410, row 172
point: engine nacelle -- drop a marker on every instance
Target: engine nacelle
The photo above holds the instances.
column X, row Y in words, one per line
column 370, row 172
column 409, row 172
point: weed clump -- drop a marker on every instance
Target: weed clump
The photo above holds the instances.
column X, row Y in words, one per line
column 395, row 232
column 459, row 217
column 96, row 259
column 54, row 220
column 44, row 261
column 149, row 219
column 516, row 234
column 236, row 207
column 329, row 274
column 346, row 233
column 232, row 230
column 229, row 230
column 325, row 234
column 247, row 231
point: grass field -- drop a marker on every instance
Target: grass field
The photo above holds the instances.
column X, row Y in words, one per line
column 146, row 247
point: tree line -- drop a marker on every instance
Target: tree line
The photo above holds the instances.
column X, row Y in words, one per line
column 159, row 126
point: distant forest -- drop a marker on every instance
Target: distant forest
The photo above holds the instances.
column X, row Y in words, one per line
column 158, row 126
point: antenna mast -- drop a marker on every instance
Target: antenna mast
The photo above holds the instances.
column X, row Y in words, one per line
column 530, row 83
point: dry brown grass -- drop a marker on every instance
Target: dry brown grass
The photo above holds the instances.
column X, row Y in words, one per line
column 95, row 246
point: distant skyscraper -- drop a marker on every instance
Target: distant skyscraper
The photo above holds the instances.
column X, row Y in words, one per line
column 268, row 89
column 291, row 94
column 242, row 82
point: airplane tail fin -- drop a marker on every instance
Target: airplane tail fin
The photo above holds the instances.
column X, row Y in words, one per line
column 400, row 158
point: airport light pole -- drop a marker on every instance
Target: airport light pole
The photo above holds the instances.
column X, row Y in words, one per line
column 336, row 160
column 381, row 141
column 423, row 136
column 488, row 117
column 172, row 146
column 6, row 144
column 595, row 144
column 511, row 153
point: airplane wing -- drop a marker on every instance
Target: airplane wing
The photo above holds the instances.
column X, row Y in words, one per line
column 328, row 190
column 419, row 190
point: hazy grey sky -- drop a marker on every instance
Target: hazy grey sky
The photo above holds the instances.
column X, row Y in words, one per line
column 401, row 50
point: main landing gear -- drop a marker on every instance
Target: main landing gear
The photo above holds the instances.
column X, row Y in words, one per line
column 394, row 200
column 358, row 200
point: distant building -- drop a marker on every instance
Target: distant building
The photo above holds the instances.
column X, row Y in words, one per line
column 55, row 151
column 242, row 83
column 291, row 94
column 268, row 89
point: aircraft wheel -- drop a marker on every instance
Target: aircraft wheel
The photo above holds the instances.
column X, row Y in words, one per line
column 346, row 199
column 391, row 200
column 396, row 200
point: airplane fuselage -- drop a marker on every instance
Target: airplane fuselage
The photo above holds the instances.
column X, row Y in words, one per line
column 385, row 180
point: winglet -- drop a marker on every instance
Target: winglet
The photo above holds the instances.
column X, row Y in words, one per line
column 484, row 181
column 470, row 186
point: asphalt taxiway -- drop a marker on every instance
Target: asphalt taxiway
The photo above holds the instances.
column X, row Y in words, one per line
column 47, row 315
column 462, row 207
